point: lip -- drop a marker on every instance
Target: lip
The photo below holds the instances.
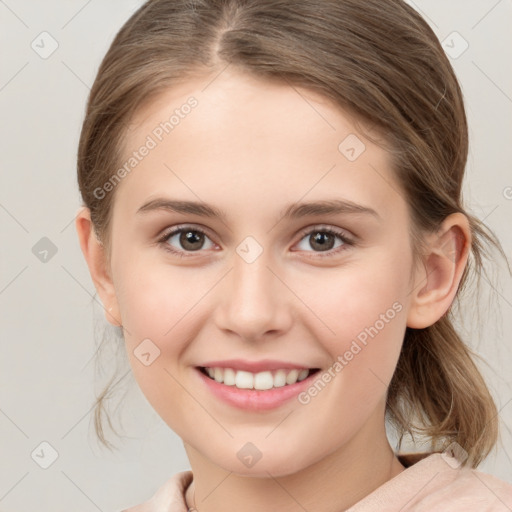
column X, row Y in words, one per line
column 255, row 366
column 253, row 399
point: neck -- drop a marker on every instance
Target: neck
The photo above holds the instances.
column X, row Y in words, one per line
column 334, row 483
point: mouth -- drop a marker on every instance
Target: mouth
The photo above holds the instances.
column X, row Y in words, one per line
column 261, row 381
column 255, row 386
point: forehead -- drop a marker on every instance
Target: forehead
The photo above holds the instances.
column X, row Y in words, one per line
column 238, row 137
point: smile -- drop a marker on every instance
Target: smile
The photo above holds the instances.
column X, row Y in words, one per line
column 260, row 381
column 257, row 391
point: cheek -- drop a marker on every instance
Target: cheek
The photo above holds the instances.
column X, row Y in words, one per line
column 368, row 318
column 154, row 299
column 357, row 301
column 157, row 309
column 364, row 307
column 156, row 303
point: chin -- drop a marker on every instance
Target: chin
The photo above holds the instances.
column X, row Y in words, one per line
column 272, row 464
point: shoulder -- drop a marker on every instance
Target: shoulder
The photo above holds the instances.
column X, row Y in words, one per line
column 452, row 488
column 169, row 496
column 437, row 482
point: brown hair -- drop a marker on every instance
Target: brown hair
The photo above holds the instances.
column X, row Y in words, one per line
column 378, row 60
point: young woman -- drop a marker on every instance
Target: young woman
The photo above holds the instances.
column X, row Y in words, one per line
column 273, row 217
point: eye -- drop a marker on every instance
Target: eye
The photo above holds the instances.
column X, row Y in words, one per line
column 325, row 240
column 183, row 240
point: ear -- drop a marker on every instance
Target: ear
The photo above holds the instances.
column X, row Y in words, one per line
column 437, row 280
column 95, row 256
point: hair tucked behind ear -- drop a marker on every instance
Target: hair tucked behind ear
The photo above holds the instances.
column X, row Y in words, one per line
column 378, row 60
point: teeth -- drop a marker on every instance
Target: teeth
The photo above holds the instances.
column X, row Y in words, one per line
column 260, row 381
column 280, row 379
column 217, row 375
column 292, row 377
column 244, row 380
column 263, row 380
column 302, row 375
column 229, row 377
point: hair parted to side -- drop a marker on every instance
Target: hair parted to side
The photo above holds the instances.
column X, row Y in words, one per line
column 380, row 62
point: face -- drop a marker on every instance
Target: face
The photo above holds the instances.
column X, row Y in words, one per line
column 258, row 282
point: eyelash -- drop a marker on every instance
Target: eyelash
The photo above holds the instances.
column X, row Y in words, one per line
column 347, row 242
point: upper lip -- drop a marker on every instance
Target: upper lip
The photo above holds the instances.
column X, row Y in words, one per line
column 254, row 366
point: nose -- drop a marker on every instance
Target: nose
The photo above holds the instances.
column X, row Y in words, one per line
column 254, row 303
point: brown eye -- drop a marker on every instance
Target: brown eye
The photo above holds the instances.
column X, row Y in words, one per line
column 322, row 241
column 191, row 240
column 186, row 240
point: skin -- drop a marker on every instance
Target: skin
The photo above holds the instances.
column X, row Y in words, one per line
column 251, row 148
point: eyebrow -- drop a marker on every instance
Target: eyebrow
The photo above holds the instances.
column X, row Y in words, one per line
column 292, row 211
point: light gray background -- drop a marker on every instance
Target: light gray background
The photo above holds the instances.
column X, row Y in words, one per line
column 50, row 324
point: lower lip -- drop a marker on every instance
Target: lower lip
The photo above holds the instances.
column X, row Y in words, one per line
column 253, row 399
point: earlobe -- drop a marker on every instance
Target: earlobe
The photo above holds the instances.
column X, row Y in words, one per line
column 94, row 254
column 437, row 282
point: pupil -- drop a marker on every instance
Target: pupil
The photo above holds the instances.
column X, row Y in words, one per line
column 325, row 241
column 188, row 238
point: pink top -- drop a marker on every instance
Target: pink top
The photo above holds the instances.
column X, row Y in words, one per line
column 431, row 482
